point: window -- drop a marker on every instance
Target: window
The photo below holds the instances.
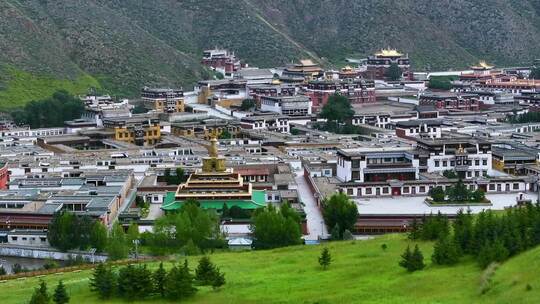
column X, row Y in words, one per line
column 422, row 189
column 452, row 163
column 437, row 163
column 491, row 186
column 405, row 189
column 477, row 173
column 477, row 162
column 484, row 162
column 515, row 186
column 444, row 163
column 43, row 239
column 14, row 238
column 349, row 191
column 24, row 239
column 368, row 191
column 385, row 190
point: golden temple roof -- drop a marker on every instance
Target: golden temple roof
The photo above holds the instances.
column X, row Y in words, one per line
column 482, row 65
column 388, row 53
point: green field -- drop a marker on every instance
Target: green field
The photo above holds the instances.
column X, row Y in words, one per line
column 361, row 272
column 18, row 87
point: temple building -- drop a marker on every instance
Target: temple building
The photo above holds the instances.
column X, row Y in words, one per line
column 215, row 185
column 358, row 91
column 221, row 60
column 163, row 100
column 306, row 69
column 378, row 64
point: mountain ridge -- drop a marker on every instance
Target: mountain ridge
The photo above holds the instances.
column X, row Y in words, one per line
column 124, row 45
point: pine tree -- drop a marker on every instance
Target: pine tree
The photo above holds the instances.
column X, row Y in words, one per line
column 445, row 252
column 219, row 279
column 406, row 259
column 347, row 235
column 2, row 270
column 463, row 230
column 179, row 283
column 417, row 259
column 205, row 272
column 160, row 275
column 325, row 259
column 414, row 232
column 40, row 295
column 103, row 281
column 60, row 295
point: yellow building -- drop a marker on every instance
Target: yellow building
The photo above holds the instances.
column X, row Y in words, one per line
column 138, row 130
column 206, row 129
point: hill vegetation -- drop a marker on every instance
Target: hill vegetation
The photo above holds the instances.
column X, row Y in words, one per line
column 123, row 45
column 359, row 272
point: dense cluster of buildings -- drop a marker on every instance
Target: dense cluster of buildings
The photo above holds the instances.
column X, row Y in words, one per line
column 252, row 138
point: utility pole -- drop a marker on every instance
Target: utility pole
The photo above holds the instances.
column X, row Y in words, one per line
column 136, row 243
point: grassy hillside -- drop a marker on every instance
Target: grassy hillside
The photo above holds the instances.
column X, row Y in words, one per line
column 361, row 272
column 131, row 43
column 22, row 87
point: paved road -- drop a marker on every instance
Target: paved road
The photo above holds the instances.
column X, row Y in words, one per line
column 315, row 222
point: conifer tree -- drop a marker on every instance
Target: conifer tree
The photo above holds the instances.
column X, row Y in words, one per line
column 463, row 231
column 325, row 259
column 219, row 279
column 445, row 252
column 179, row 283
column 347, row 235
column 103, row 281
column 334, row 234
column 60, row 295
column 414, row 232
column 160, row 275
column 40, row 295
column 406, row 259
column 205, row 272
column 417, row 259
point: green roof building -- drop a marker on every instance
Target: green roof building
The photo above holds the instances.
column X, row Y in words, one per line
column 215, row 185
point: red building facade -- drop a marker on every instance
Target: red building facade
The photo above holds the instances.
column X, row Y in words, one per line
column 4, row 176
column 358, row 91
column 378, row 64
column 451, row 101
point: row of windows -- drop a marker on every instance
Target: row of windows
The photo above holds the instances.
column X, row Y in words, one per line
column 424, row 189
column 452, row 163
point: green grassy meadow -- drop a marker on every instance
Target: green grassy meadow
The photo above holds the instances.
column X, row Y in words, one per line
column 19, row 87
column 361, row 272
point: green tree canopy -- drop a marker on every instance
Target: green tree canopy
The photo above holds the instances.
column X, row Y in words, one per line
column 337, row 109
column 50, row 112
column 117, row 244
column 247, row 104
column 272, row 228
column 341, row 211
column 394, row 72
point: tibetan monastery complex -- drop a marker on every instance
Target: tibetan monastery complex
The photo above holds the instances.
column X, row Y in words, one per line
column 215, row 185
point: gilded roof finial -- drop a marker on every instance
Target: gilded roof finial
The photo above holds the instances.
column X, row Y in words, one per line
column 213, row 150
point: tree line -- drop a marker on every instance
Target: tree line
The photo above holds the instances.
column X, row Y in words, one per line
column 138, row 282
column 458, row 193
column 487, row 237
column 68, row 231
